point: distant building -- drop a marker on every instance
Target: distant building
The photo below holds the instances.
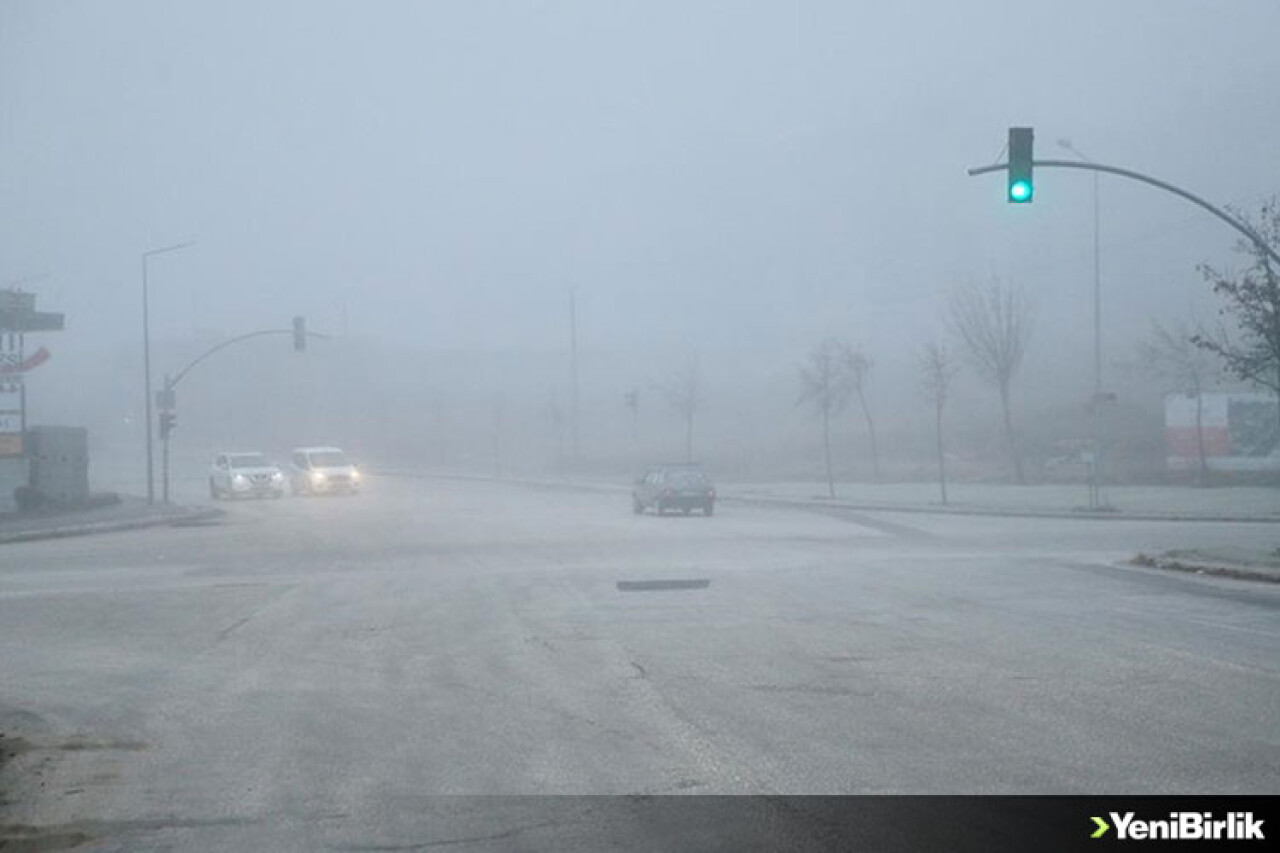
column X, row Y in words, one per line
column 18, row 318
column 1241, row 432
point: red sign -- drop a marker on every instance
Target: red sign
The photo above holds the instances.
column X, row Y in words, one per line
column 34, row 360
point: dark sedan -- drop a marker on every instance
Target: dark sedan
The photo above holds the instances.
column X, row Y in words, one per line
column 674, row 488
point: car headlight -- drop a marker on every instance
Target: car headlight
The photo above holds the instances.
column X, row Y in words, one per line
column 277, row 477
column 355, row 475
column 239, row 479
column 317, row 477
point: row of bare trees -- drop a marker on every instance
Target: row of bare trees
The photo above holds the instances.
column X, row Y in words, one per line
column 991, row 325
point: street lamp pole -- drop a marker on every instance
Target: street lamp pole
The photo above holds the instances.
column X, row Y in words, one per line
column 573, row 367
column 1095, row 478
column 146, row 362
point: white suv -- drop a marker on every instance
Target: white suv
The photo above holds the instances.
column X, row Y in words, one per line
column 320, row 470
column 235, row 475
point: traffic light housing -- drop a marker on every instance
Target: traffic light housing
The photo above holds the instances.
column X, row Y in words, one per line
column 1021, row 155
column 299, row 334
column 168, row 420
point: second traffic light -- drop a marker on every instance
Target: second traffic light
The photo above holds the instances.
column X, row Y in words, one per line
column 1021, row 157
column 299, row 334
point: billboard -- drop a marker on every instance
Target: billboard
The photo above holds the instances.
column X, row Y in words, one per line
column 1240, row 432
column 11, row 418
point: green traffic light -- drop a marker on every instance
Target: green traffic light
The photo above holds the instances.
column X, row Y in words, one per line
column 1020, row 191
column 1021, row 162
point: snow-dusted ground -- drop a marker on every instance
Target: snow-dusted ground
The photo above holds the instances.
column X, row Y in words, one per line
column 306, row 674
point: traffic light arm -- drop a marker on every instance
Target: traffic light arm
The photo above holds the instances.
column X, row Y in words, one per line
column 1226, row 217
column 183, row 372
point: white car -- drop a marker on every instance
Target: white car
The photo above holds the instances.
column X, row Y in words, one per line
column 236, row 475
column 322, row 470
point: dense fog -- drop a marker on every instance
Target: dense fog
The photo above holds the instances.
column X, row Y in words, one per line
column 718, row 184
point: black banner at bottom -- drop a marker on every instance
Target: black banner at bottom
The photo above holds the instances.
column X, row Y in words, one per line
column 828, row 823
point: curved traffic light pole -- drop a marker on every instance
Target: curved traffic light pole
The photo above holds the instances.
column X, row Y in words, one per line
column 1226, row 217
column 170, row 384
column 1243, row 227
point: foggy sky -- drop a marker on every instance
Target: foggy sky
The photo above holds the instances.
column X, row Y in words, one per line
column 709, row 176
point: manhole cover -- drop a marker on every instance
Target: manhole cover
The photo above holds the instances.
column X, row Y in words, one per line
column 654, row 585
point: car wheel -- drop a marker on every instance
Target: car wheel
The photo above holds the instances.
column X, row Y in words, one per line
column 636, row 506
column 213, row 490
column 687, row 510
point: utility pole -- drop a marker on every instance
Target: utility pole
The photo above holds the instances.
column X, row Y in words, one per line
column 146, row 364
column 146, row 382
column 1096, row 475
column 498, row 407
column 1099, row 473
column 632, row 401
column 166, row 413
column 573, row 368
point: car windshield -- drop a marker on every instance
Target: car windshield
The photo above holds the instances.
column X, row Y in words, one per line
column 328, row 459
column 249, row 460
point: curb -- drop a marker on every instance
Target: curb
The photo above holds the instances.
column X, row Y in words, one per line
column 1193, row 567
column 192, row 516
column 806, row 504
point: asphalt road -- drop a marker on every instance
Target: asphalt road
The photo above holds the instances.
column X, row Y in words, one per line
column 313, row 672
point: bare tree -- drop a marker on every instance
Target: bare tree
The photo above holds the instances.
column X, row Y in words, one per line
column 993, row 324
column 825, row 385
column 685, row 394
column 859, row 369
column 1172, row 357
column 939, row 371
column 1253, row 302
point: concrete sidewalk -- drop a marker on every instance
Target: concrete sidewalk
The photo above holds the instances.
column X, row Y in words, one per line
column 129, row 513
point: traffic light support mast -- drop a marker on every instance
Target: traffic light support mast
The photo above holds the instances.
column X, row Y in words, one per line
column 1239, row 225
column 184, row 371
column 170, row 384
column 1226, row 217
